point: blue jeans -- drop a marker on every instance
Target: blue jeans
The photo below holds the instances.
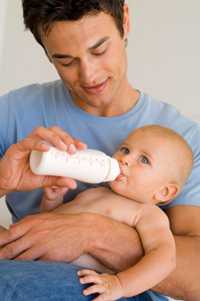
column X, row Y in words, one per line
column 43, row 281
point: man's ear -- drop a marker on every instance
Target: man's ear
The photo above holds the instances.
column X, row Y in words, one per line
column 166, row 193
column 126, row 21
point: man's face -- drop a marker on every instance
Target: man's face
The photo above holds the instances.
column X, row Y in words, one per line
column 144, row 162
column 90, row 57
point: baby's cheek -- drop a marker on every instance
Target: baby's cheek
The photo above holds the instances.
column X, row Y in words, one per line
column 118, row 187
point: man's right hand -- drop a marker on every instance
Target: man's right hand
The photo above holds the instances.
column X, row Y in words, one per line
column 64, row 237
column 15, row 172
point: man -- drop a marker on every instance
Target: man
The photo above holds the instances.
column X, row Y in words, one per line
column 93, row 104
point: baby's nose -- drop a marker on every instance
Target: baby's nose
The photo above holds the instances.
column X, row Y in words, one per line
column 124, row 160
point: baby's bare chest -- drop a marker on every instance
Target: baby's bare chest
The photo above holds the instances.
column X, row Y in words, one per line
column 103, row 201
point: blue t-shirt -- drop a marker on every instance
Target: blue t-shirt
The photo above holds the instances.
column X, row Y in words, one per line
column 50, row 104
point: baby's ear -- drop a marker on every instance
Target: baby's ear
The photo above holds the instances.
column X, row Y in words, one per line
column 166, row 193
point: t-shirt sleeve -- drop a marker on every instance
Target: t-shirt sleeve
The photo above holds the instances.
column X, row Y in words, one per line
column 21, row 111
column 190, row 194
column 4, row 123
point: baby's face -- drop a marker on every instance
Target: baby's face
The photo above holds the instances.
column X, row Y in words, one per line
column 143, row 160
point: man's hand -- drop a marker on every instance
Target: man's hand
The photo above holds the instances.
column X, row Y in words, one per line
column 64, row 237
column 47, row 236
column 15, row 173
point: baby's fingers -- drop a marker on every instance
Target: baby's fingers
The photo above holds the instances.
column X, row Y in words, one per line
column 86, row 272
column 94, row 289
column 89, row 276
column 53, row 192
column 91, row 279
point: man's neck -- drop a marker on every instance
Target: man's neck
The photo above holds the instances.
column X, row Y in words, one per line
column 123, row 103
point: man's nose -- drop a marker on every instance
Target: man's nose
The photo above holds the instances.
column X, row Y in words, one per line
column 88, row 73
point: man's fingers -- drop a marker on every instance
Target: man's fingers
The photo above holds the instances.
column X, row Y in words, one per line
column 12, row 241
column 5, row 238
column 16, row 231
column 65, row 137
column 8, row 236
column 20, row 240
column 2, row 229
column 41, row 139
column 23, row 226
column 35, row 252
column 56, row 137
column 68, row 140
column 15, row 248
column 29, row 222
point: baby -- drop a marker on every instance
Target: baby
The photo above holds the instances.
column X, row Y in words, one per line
column 155, row 162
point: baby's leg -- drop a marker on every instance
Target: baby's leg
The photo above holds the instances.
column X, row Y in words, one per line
column 52, row 198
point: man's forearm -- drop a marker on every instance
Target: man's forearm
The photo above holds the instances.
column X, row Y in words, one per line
column 183, row 282
column 114, row 244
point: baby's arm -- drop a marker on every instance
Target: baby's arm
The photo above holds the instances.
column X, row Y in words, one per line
column 158, row 262
column 160, row 252
column 52, row 197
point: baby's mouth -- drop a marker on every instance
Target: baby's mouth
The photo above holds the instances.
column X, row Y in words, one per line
column 122, row 174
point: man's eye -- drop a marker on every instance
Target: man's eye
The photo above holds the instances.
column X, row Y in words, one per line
column 125, row 150
column 144, row 160
column 67, row 63
column 99, row 51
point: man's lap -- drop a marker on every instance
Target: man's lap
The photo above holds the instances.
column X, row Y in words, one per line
column 43, row 281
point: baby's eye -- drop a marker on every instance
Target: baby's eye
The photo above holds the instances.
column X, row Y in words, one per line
column 125, row 150
column 144, row 159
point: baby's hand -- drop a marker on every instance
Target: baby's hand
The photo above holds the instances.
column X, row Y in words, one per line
column 107, row 286
column 52, row 197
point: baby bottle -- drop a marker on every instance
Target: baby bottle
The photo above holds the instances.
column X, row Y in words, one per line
column 89, row 166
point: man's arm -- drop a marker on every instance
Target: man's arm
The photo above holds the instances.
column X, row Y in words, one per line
column 183, row 282
column 47, row 236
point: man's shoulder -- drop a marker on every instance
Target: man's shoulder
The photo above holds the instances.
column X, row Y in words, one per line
column 165, row 114
column 26, row 108
column 30, row 93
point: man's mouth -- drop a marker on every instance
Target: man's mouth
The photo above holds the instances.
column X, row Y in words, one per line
column 96, row 89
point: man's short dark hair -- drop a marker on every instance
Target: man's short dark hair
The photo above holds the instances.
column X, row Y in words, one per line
column 41, row 14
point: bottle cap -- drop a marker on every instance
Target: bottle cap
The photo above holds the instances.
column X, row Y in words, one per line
column 114, row 170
